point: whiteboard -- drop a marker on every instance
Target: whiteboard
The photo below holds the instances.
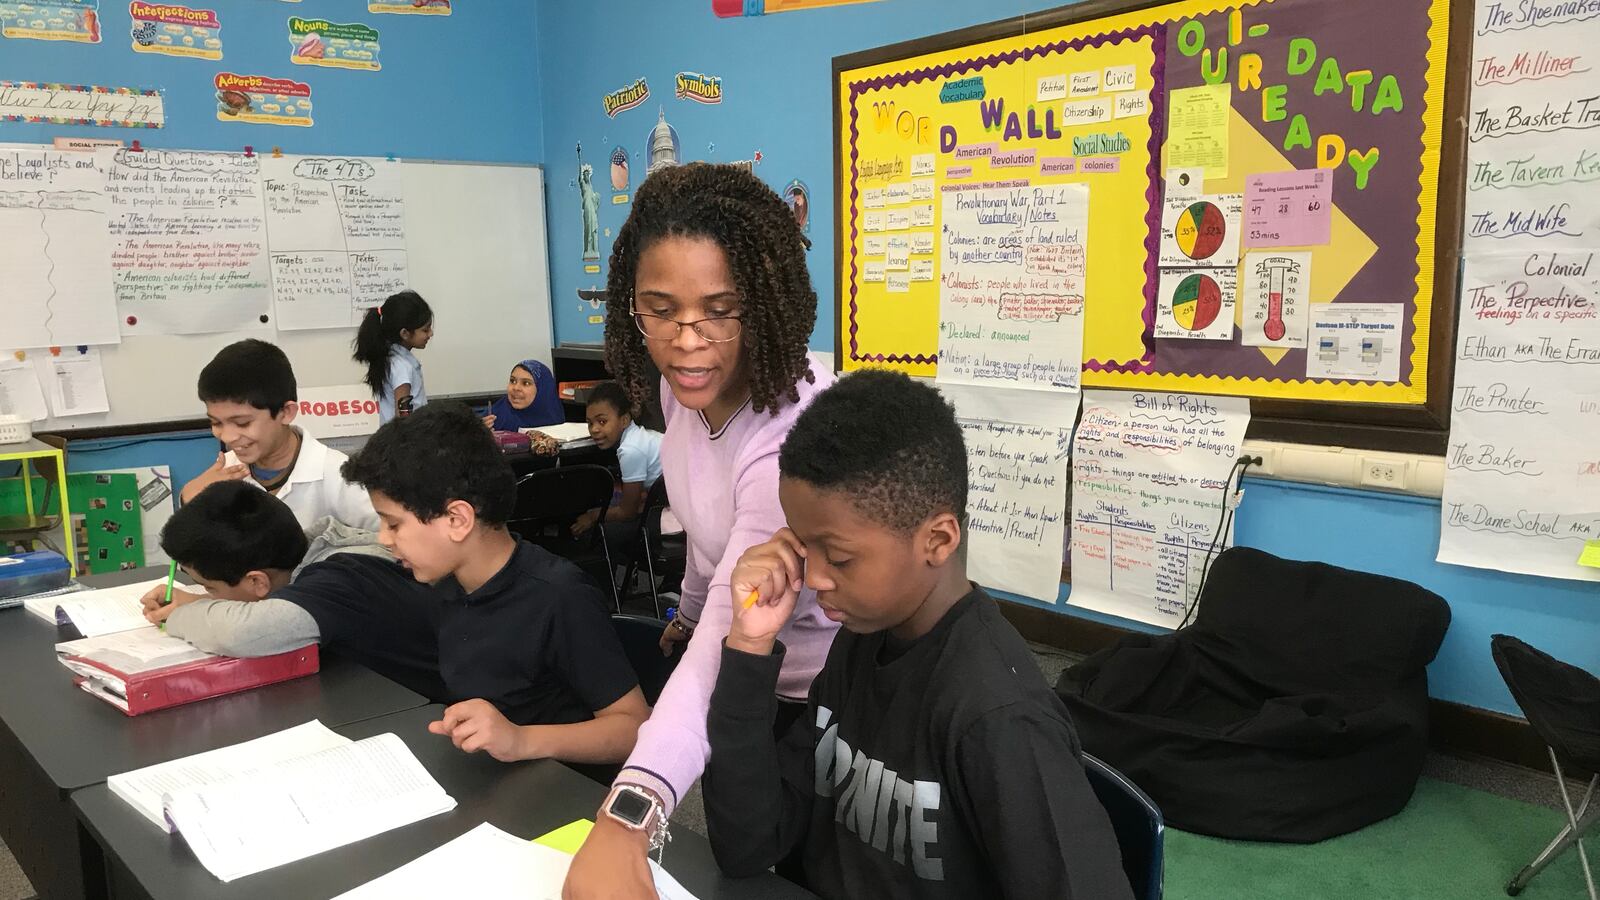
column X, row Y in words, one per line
column 475, row 237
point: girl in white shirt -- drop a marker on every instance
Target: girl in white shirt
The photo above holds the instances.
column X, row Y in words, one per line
column 383, row 344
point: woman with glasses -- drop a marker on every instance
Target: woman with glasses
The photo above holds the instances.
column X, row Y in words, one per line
column 708, row 282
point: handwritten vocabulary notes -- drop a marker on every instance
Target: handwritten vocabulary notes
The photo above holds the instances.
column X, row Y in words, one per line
column 1011, row 291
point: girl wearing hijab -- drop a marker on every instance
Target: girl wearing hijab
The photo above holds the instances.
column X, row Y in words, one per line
column 531, row 400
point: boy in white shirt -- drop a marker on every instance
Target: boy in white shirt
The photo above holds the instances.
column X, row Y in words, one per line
column 251, row 401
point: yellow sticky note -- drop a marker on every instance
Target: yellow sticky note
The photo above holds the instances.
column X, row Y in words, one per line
column 1591, row 555
column 1197, row 128
column 568, row 838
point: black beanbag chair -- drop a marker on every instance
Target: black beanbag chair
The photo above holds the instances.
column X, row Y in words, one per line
column 1295, row 708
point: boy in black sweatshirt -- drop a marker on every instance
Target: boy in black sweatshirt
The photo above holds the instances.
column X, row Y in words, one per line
column 932, row 760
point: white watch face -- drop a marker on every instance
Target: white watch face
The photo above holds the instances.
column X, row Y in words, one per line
column 631, row 807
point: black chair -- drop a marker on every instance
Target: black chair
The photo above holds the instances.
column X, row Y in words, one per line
column 664, row 555
column 1562, row 703
column 549, row 501
column 1140, row 830
column 641, row 641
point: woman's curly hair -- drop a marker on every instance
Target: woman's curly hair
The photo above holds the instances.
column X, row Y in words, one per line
column 754, row 227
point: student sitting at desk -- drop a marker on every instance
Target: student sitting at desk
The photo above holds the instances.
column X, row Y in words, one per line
column 250, row 396
column 266, row 589
column 983, row 790
column 611, row 425
column 528, row 660
column 531, row 399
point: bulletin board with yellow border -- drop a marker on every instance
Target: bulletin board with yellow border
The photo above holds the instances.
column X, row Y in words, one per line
column 1353, row 88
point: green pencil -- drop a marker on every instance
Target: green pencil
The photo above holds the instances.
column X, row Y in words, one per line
column 172, row 572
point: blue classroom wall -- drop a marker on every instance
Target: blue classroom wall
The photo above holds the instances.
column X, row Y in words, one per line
column 458, row 87
column 776, row 73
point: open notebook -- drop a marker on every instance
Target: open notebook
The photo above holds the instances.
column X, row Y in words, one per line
column 488, row 857
column 96, row 612
column 257, row 809
column 143, row 789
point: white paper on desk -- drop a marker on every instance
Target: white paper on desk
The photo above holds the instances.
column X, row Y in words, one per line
column 568, row 433
column 494, row 858
column 76, row 383
column 128, row 652
column 20, row 392
column 304, row 806
column 108, row 610
column 1149, row 473
column 144, row 788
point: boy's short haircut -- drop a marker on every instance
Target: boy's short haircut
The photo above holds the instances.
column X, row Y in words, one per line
column 890, row 444
column 612, row 393
column 252, row 372
column 232, row 528
column 437, row 454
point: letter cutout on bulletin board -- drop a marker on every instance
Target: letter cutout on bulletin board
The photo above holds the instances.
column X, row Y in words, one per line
column 1286, row 89
column 1149, row 472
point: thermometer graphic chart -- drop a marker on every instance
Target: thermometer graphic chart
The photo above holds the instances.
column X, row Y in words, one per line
column 1277, row 291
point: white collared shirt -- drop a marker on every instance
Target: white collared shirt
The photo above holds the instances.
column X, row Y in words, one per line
column 316, row 489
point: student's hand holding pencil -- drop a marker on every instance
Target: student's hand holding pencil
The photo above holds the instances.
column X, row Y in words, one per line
column 766, row 582
column 156, row 609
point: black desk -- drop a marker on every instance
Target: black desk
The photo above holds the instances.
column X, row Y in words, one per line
column 524, row 799
column 54, row 738
column 527, row 463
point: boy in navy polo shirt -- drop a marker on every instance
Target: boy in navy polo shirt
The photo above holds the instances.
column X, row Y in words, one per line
column 523, row 639
column 528, row 659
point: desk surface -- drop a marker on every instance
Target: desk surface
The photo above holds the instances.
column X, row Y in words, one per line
column 524, row 799
column 78, row 740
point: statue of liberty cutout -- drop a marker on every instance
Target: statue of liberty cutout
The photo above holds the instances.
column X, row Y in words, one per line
column 591, row 208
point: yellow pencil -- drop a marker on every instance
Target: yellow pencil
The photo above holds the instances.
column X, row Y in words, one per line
column 751, row 600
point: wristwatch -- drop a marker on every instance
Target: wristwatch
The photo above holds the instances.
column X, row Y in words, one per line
column 639, row 810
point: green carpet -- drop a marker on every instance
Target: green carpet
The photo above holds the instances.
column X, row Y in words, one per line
column 1450, row 842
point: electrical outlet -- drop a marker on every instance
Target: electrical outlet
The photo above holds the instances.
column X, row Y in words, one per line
column 1384, row 473
column 1269, row 459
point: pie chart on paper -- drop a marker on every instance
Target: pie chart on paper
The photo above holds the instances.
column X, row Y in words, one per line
column 1200, row 230
column 1196, row 302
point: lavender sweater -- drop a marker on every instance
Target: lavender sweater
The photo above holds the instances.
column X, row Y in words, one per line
column 725, row 492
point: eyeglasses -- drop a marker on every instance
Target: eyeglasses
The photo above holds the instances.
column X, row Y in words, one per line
column 717, row 330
